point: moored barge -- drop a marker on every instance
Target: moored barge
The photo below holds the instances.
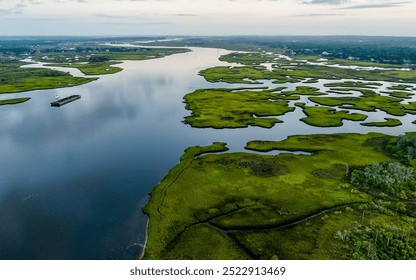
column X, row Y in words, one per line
column 65, row 100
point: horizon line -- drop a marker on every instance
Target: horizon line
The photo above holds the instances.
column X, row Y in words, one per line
column 188, row 36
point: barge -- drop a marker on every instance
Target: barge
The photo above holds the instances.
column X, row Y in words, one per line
column 63, row 101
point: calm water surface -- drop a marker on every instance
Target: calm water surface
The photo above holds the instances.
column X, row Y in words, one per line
column 73, row 180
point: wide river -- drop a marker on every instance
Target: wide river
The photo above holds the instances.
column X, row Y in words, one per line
column 73, row 180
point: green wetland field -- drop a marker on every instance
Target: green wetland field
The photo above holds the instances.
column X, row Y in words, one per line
column 243, row 206
column 322, row 196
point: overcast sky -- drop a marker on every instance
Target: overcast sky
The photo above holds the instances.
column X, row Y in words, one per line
column 208, row 17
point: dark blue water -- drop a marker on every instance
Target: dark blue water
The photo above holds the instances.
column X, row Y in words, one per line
column 74, row 179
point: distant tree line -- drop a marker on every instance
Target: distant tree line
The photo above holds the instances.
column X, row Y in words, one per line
column 400, row 50
column 394, row 50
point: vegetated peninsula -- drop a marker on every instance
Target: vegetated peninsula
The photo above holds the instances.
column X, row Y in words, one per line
column 14, row 101
column 14, row 79
column 324, row 196
column 320, row 206
column 101, row 59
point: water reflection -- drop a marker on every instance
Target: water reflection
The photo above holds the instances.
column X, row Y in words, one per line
column 74, row 179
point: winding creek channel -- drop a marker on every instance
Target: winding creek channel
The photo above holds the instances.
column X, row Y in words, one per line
column 73, row 180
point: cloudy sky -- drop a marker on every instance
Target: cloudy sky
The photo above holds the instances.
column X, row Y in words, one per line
column 208, row 17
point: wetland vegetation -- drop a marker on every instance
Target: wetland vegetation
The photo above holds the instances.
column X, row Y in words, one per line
column 353, row 197
column 100, row 60
column 14, row 101
column 327, row 117
column 251, row 74
column 387, row 122
column 285, row 206
column 93, row 68
column 14, row 79
column 90, row 57
column 235, row 108
column 232, row 108
column 369, row 103
column 366, row 50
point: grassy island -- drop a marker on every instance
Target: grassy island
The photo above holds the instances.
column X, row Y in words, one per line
column 250, row 58
column 401, row 94
column 327, row 117
column 304, row 90
column 235, row 108
column 390, row 105
column 101, row 62
column 249, row 206
column 14, row 101
column 242, row 107
column 251, row 74
column 350, row 84
column 388, row 122
column 401, row 87
column 94, row 68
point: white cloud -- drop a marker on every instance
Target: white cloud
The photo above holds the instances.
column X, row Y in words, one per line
column 378, row 4
column 331, row 2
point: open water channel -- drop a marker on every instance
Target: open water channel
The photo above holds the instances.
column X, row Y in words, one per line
column 73, row 179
